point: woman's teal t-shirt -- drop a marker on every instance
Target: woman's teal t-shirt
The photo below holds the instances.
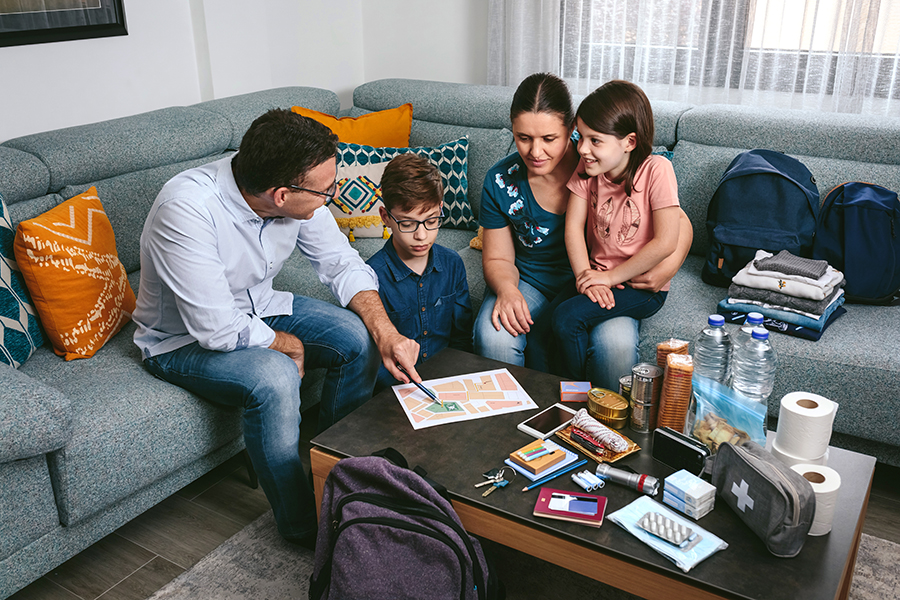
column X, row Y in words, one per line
column 539, row 236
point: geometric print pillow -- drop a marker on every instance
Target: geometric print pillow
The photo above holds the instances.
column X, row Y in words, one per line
column 451, row 160
column 20, row 331
column 355, row 205
column 77, row 282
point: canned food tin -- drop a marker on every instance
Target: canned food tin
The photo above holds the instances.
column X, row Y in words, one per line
column 625, row 386
column 643, row 417
column 607, row 404
column 646, row 383
column 618, row 423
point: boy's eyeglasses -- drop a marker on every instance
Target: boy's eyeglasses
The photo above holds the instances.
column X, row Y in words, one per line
column 411, row 225
column 329, row 193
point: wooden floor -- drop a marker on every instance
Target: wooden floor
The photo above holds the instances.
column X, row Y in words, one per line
column 145, row 554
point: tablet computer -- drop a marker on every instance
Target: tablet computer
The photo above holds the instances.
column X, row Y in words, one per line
column 548, row 421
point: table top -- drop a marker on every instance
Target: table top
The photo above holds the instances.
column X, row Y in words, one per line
column 456, row 455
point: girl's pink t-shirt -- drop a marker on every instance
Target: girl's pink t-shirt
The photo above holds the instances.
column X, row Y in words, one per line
column 619, row 226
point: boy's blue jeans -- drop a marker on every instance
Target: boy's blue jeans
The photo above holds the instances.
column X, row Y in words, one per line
column 266, row 384
column 612, row 351
column 573, row 319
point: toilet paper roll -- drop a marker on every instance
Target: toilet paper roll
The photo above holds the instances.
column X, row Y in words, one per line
column 804, row 424
column 826, row 483
column 791, row 460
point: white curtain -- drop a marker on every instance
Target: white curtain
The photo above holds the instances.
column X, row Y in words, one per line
column 834, row 55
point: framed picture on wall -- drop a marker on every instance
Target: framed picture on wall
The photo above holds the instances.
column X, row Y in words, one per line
column 41, row 21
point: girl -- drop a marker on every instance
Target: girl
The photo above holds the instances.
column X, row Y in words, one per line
column 622, row 219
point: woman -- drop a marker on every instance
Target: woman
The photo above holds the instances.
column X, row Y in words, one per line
column 525, row 263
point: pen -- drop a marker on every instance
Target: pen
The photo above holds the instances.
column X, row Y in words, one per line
column 428, row 392
column 555, row 474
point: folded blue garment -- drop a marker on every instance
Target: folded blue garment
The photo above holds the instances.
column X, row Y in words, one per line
column 733, row 316
column 785, row 315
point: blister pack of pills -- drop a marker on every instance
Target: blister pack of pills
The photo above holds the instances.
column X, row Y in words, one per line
column 670, row 531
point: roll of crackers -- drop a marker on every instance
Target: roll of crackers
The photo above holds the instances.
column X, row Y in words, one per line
column 670, row 346
column 676, row 391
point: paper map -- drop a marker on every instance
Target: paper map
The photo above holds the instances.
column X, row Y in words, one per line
column 465, row 397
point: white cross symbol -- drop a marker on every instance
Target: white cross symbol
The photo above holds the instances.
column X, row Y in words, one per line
column 744, row 500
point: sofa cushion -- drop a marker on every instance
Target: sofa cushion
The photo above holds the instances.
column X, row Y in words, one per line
column 450, row 159
column 242, row 110
column 34, row 418
column 79, row 287
column 86, row 153
column 26, row 503
column 867, row 386
column 24, row 175
column 127, row 200
column 130, row 428
column 20, row 331
column 382, row 128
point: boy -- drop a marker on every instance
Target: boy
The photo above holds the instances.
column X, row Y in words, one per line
column 422, row 284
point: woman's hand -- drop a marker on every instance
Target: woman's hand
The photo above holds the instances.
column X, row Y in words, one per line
column 511, row 311
column 654, row 279
column 591, row 277
column 602, row 295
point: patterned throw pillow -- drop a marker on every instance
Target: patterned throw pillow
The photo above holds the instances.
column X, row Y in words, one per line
column 79, row 287
column 20, row 331
column 355, row 207
column 383, row 128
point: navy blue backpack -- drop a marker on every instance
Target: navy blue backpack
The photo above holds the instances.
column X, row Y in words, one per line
column 859, row 234
column 766, row 200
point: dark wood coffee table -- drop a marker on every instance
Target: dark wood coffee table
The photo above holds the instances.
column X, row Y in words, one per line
column 457, row 454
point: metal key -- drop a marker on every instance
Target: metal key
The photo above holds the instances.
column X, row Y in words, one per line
column 492, row 476
column 497, row 485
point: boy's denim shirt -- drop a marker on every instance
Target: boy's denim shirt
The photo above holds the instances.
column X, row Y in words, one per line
column 432, row 308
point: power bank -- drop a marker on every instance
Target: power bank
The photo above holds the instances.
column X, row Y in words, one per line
column 679, row 451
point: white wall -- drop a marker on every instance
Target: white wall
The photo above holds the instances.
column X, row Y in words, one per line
column 179, row 53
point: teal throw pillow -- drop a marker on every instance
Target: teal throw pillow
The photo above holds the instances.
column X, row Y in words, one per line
column 20, row 330
column 451, row 159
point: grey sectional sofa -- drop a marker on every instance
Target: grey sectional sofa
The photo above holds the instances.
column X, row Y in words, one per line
column 87, row 445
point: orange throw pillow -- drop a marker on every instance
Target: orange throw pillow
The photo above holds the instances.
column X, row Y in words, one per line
column 72, row 270
column 383, row 128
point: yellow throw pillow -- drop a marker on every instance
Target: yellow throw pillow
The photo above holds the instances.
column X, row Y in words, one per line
column 77, row 283
column 383, row 128
column 477, row 242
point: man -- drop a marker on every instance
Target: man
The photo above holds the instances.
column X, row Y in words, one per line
column 208, row 318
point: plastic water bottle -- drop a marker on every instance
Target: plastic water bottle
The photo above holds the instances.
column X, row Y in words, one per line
column 712, row 350
column 754, row 367
column 743, row 334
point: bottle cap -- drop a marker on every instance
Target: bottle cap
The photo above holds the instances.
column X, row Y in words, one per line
column 755, row 318
column 760, row 334
column 716, row 320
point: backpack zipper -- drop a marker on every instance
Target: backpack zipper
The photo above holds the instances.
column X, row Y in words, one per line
column 417, row 509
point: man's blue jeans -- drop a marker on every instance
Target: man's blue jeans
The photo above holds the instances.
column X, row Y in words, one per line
column 266, row 384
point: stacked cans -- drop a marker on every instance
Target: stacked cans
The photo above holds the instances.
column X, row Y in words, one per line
column 608, row 407
column 646, row 386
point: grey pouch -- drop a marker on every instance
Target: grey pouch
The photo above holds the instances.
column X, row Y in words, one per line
column 777, row 503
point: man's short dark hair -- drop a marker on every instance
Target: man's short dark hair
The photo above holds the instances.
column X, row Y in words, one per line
column 280, row 148
column 410, row 181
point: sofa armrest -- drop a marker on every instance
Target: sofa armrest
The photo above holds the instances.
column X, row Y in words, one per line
column 34, row 418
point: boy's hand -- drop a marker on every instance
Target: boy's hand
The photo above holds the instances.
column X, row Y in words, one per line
column 602, row 295
column 511, row 311
column 591, row 277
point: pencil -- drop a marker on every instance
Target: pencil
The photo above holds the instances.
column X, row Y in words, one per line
column 428, row 392
column 555, row 474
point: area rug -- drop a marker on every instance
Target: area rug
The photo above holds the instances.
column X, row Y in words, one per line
column 257, row 563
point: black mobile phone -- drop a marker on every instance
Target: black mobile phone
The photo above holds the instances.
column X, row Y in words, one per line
column 679, row 451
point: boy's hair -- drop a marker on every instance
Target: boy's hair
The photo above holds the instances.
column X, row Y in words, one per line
column 410, row 181
column 281, row 148
column 618, row 108
column 543, row 93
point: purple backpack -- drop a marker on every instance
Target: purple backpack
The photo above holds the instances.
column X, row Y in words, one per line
column 386, row 533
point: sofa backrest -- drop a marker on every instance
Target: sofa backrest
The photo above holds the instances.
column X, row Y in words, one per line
column 835, row 147
column 443, row 112
column 129, row 159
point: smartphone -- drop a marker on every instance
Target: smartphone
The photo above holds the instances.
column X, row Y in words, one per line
column 548, row 421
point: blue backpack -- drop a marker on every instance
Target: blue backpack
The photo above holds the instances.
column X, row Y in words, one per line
column 859, row 234
column 766, row 200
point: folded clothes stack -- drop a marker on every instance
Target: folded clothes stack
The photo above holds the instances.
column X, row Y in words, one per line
column 799, row 296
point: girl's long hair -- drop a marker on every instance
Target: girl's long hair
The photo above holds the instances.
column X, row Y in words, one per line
column 618, row 108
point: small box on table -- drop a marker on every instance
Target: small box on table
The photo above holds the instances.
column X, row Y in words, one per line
column 574, row 391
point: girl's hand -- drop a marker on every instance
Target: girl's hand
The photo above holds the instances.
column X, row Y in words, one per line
column 511, row 311
column 590, row 277
column 602, row 295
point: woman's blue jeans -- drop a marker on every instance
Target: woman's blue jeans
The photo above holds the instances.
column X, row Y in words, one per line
column 612, row 352
column 266, row 384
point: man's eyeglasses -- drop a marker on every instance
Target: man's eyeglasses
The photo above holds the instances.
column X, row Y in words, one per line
column 411, row 225
column 329, row 193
